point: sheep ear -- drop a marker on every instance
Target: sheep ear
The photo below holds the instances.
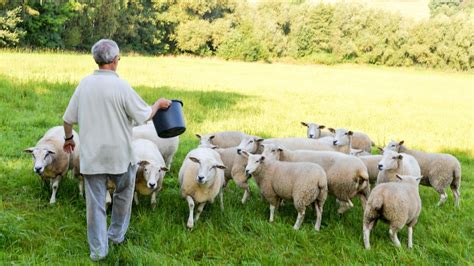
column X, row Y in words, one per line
column 244, row 153
column 194, row 159
column 212, row 137
column 259, row 140
column 142, row 163
column 399, row 177
column 332, row 130
column 321, row 126
column 29, row 150
column 350, row 133
column 198, row 136
column 304, row 124
column 164, row 169
column 401, row 142
column 219, row 166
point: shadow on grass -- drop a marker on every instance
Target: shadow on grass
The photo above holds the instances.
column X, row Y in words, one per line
column 29, row 109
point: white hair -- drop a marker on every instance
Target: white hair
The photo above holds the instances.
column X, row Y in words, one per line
column 105, row 51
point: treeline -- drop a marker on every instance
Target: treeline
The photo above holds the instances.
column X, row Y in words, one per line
column 233, row 29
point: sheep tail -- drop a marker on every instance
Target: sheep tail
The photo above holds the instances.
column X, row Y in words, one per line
column 457, row 177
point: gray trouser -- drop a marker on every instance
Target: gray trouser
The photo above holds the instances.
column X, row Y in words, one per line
column 96, row 189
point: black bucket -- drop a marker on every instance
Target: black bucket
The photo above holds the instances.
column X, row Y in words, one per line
column 170, row 122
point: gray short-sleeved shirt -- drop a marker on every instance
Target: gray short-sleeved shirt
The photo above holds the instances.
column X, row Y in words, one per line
column 105, row 107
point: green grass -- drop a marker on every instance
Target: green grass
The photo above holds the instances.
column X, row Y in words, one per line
column 430, row 110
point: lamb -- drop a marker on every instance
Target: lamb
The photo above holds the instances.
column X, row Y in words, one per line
column 397, row 203
column 394, row 163
column 51, row 162
column 314, row 131
column 354, row 140
column 304, row 183
column 201, row 179
column 347, row 175
column 438, row 170
column 301, row 144
column 167, row 147
column 224, row 139
column 151, row 170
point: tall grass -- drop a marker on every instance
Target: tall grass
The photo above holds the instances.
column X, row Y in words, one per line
column 430, row 110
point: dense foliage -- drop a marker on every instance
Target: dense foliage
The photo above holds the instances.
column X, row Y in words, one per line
column 231, row 29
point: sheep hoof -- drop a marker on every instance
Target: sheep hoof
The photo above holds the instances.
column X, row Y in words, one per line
column 190, row 225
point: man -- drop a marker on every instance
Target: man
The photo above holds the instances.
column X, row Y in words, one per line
column 106, row 107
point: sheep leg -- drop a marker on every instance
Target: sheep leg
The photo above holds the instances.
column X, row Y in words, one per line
column 199, row 210
column 81, row 186
column 272, row 213
column 367, row 228
column 344, row 206
column 246, row 195
column 54, row 186
column 319, row 215
column 135, row 198
column 442, row 197
column 393, row 231
column 153, row 200
column 363, row 200
column 456, row 195
column 190, row 223
column 108, row 198
column 299, row 220
column 221, row 199
column 410, row 237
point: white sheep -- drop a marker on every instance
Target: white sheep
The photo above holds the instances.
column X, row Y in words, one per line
column 151, row 170
column 235, row 163
column 438, row 170
column 304, row 183
column 301, row 144
column 167, row 147
column 51, row 162
column 314, row 131
column 225, row 139
column 201, row 179
column 394, row 163
column 351, row 140
column 347, row 175
column 397, row 203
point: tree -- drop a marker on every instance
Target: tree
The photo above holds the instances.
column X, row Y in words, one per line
column 10, row 33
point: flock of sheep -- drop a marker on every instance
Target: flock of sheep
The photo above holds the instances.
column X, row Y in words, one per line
column 336, row 162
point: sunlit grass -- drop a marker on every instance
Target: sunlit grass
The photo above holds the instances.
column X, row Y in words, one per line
column 429, row 110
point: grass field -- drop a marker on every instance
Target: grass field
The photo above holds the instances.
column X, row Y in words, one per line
column 432, row 111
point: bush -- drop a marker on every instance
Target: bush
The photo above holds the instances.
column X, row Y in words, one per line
column 241, row 44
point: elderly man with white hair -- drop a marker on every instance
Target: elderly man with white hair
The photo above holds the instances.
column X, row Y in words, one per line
column 105, row 107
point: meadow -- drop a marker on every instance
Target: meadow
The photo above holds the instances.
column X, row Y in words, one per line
column 430, row 110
